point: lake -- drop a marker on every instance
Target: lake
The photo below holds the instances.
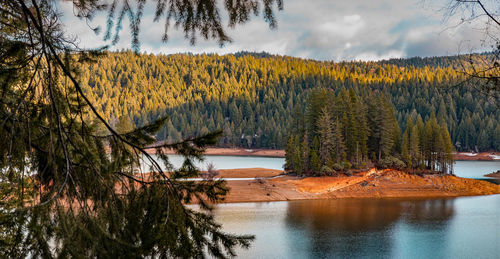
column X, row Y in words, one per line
column 231, row 162
column 469, row 169
column 466, row 227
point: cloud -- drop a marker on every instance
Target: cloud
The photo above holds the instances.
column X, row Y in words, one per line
column 320, row 29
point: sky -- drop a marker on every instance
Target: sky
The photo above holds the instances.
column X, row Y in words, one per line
column 313, row 29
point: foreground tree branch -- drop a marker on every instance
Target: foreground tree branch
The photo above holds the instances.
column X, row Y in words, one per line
column 68, row 191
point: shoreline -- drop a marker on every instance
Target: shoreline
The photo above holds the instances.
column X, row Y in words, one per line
column 494, row 175
column 280, row 153
column 216, row 151
column 369, row 184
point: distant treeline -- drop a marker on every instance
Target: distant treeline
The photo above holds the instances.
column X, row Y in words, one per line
column 251, row 97
column 344, row 131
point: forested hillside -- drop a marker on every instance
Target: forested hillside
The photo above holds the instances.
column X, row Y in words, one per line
column 252, row 97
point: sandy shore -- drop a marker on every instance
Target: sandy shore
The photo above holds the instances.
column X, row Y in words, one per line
column 248, row 173
column 483, row 156
column 467, row 156
column 371, row 184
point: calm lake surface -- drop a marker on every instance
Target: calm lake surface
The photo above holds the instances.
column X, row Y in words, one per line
column 469, row 169
column 232, row 162
column 467, row 227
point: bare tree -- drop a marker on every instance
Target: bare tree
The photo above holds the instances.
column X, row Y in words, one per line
column 211, row 172
column 482, row 71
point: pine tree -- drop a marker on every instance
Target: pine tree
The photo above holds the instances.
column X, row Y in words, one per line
column 338, row 142
column 382, row 122
column 305, row 152
column 289, row 153
column 449, row 150
column 390, row 132
column 317, row 102
column 326, row 136
column 420, row 127
column 432, row 142
column 407, row 144
column 352, row 141
column 77, row 201
column 298, row 157
column 362, row 131
column 315, row 162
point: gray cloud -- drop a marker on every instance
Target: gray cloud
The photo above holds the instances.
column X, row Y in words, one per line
column 320, row 29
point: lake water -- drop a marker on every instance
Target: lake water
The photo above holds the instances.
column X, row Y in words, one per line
column 469, row 169
column 466, row 227
column 231, row 162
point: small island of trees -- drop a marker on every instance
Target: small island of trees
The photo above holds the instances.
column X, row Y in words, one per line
column 341, row 131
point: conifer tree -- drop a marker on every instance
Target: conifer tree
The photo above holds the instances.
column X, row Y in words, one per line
column 449, row 150
column 362, row 132
column 305, row 152
column 432, row 142
column 351, row 128
column 381, row 120
column 390, row 132
column 325, row 135
column 289, row 152
column 315, row 161
column 420, row 126
column 315, row 105
column 338, row 142
column 407, row 144
column 298, row 156
column 61, row 194
column 422, row 145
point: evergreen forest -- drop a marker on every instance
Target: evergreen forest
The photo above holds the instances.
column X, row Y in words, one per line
column 347, row 130
column 252, row 97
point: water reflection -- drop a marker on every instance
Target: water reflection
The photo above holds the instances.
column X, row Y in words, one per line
column 422, row 211
column 364, row 227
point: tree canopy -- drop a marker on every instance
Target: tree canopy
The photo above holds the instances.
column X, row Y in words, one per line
column 252, row 97
column 348, row 131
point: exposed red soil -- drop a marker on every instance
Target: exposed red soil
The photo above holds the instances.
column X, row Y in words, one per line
column 371, row 184
column 248, row 173
column 483, row 156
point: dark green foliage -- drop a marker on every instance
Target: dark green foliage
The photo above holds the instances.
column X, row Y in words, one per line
column 342, row 144
column 410, row 145
column 392, row 162
column 325, row 133
column 71, row 184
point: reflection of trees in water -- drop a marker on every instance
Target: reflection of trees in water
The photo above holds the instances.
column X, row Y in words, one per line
column 422, row 211
column 345, row 228
column 346, row 215
column 359, row 227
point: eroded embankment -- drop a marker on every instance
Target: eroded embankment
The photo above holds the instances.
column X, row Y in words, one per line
column 373, row 183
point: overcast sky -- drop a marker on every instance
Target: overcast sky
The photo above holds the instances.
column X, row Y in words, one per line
column 315, row 29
